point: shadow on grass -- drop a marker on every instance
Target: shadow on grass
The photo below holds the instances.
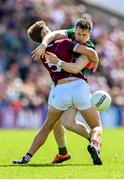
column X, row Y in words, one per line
column 45, row 165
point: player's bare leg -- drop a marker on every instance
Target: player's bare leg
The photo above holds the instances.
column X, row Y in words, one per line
column 59, row 134
column 70, row 123
column 60, row 137
column 92, row 118
column 40, row 138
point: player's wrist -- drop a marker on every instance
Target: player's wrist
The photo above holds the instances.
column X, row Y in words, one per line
column 59, row 63
column 44, row 44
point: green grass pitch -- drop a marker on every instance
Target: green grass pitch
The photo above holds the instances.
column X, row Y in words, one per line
column 14, row 144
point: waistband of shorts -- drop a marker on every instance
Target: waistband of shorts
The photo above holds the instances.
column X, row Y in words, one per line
column 65, row 83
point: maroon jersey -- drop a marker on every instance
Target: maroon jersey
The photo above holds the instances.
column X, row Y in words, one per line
column 63, row 49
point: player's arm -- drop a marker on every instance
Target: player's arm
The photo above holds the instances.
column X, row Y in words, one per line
column 51, row 36
column 84, row 50
column 90, row 53
column 81, row 49
column 75, row 68
column 82, row 61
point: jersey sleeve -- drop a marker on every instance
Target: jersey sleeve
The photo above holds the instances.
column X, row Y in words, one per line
column 74, row 45
column 90, row 44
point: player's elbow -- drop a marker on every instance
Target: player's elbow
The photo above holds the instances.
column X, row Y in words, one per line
column 94, row 56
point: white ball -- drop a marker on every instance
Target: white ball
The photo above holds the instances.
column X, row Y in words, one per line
column 100, row 100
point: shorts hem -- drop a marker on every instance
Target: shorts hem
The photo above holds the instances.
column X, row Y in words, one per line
column 83, row 108
column 58, row 108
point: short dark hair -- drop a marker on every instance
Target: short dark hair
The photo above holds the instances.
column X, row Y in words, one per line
column 34, row 31
column 84, row 23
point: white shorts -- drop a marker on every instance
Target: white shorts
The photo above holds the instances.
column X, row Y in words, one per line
column 75, row 93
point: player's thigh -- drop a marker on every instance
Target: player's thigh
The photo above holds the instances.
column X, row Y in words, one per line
column 53, row 115
column 92, row 117
column 68, row 115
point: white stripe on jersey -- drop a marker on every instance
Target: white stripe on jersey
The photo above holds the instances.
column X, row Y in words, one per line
column 75, row 47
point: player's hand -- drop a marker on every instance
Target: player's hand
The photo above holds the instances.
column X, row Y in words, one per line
column 51, row 58
column 39, row 52
column 92, row 65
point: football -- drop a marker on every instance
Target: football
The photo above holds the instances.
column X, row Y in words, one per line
column 100, row 100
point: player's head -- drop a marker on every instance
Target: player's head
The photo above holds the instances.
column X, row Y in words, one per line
column 83, row 29
column 37, row 31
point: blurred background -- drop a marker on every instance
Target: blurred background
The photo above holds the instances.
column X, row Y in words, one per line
column 25, row 84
